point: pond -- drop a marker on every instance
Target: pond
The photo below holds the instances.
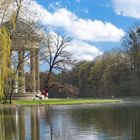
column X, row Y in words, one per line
column 74, row 122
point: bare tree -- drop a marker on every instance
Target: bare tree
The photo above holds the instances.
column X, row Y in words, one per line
column 54, row 53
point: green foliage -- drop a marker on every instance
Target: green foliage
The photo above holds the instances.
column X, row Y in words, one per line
column 132, row 49
column 4, row 59
column 62, row 102
column 107, row 76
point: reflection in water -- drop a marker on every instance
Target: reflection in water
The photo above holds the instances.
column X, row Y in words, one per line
column 70, row 123
column 21, row 124
column 35, row 130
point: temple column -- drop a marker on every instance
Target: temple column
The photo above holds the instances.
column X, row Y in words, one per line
column 37, row 76
column 15, row 87
column 32, row 71
column 21, row 76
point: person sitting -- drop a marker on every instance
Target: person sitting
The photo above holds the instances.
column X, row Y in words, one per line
column 44, row 92
column 37, row 96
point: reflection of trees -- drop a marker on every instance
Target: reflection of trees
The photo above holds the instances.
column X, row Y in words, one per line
column 13, row 122
column 7, row 124
column 112, row 121
column 46, row 116
column 21, row 123
column 62, row 125
column 43, row 123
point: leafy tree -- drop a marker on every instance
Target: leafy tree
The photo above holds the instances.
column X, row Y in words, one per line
column 4, row 59
column 16, row 27
column 131, row 44
column 107, row 76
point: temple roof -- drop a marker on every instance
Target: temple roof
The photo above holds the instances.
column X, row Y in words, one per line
column 25, row 34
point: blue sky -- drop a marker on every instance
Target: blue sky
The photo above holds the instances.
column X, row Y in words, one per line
column 95, row 26
column 91, row 9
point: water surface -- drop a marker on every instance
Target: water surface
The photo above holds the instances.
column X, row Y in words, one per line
column 74, row 122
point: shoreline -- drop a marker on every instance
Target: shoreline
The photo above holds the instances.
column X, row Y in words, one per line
column 18, row 103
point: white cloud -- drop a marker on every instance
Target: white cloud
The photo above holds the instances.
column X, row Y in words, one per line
column 129, row 8
column 83, row 51
column 79, row 28
column 83, row 29
column 95, row 30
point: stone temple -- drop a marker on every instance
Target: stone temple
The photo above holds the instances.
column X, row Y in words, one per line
column 26, row 37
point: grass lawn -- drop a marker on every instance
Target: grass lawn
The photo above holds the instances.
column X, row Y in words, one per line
column 63, row 101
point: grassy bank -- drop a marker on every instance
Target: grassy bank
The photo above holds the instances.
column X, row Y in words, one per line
column 64, row 101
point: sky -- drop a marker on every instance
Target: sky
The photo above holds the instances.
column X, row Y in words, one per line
column 95, row 26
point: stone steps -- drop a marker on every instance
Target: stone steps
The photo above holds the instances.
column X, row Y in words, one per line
column 27, row 96
column 23, row 96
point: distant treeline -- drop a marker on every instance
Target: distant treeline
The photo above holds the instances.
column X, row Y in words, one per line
column 114, row 74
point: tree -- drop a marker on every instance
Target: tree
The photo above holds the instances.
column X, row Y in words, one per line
column 5, row 44
column 106, row 76
column 4, row 59
column 16, row 28
column 56, row 56
column 131, row 44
